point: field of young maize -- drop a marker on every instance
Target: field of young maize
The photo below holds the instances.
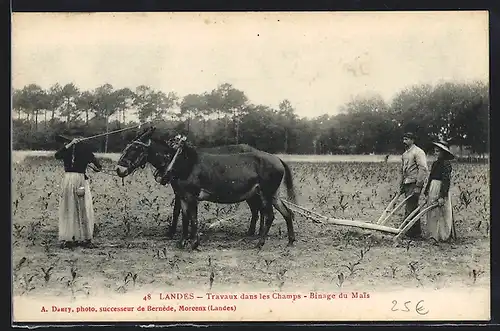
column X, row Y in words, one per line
column 134, row 254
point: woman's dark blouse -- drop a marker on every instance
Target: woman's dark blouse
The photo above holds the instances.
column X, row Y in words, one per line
column 441, row 170
column 83, row 156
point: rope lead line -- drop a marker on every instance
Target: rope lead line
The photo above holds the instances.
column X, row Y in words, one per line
column 105, row 134
column 115, row 131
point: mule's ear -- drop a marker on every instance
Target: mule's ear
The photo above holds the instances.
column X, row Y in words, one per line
column 146, row 133
column 150, row 131
column 142, row 133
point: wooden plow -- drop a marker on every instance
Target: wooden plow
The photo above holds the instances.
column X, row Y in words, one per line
column 379, row 224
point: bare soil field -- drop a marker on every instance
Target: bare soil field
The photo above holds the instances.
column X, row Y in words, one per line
column 18, row 156
column 134, row 254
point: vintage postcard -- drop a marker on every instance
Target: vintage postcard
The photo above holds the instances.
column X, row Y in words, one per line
column 260, row 166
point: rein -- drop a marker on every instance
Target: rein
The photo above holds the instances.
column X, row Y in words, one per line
column 109, row 172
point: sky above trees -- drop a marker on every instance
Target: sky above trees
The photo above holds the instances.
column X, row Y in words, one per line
column 319, row 62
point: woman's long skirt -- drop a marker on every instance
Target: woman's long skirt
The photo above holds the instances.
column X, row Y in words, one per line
column 76, row 212
column 440, row 222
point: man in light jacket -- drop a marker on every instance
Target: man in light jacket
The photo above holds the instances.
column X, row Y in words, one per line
column 414, row 172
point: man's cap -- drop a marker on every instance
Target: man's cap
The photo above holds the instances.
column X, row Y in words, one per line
column 410, row 135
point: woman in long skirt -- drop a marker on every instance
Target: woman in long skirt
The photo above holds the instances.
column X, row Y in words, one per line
column 76, row 211
column 440, row 220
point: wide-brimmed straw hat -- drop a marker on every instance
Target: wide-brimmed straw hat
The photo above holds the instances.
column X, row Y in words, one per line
column 443, row 145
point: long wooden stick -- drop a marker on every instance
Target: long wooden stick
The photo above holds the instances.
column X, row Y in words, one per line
column 410, row 216
column 346, row 222
column 394, row 210
column 363, row 225
column 220, row 221
column 304, row 209
column 403, row 231
column 389, row 206
column 112, row 132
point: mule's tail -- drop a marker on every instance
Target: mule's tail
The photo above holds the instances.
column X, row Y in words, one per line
column 289, row 183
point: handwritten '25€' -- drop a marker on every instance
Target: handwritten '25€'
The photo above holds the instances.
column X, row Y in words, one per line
column 407, row 306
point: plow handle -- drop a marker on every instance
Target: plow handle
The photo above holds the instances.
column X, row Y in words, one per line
column 414, row 219
column 383, row 221
column 389, row 206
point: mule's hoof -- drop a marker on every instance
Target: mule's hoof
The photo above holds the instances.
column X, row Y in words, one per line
column 290, row 244
column 259, row 245
column 171, row 232
column 194, row 245
column 250, row 233
column 182, row 243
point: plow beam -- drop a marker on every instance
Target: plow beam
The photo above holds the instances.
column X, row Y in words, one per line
column 362, row 225
column 346, row 222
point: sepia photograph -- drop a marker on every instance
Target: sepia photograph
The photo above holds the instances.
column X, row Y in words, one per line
column 250, row 166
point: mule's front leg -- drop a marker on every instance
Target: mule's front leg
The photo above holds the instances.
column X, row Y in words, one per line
column 175, row 217
column 184, row 206
column 193, row 216
column 261, row 225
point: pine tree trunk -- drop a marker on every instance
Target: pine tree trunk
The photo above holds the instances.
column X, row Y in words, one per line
column 225, row 129
column 106, row 139
column 286, row 141
column 237, row 130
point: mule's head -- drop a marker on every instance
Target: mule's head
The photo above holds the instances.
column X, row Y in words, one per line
column 135, row 155
column 166, row 156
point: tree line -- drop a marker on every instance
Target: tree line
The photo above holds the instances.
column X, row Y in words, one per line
column 458, row 112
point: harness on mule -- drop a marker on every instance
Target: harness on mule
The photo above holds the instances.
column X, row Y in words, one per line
column 164, row 174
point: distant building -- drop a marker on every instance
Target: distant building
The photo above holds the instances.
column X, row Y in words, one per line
column 462, row 151
column 465, row 152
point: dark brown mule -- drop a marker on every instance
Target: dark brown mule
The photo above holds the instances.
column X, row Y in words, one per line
column 220, row 178
column 254, row 204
